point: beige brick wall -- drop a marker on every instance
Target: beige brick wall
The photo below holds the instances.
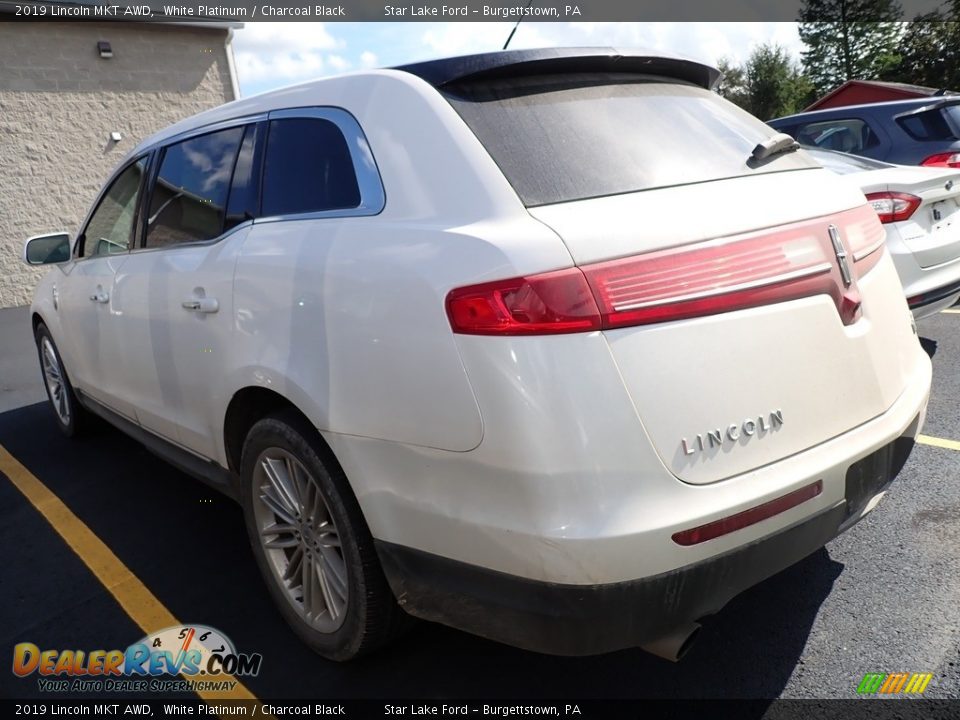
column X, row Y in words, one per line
column 59, row 102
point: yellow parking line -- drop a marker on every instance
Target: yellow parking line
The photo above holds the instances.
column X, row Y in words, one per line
column 134, row 597
column 951, row 312
column 938, row 442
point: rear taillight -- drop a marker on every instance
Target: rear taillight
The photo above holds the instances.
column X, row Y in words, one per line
column 948, row 159
column 893, row 206
column 554, row 302
column 711, row 278
column 791, row 262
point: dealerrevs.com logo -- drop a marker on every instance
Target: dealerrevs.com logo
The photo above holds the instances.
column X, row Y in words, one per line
column 203, row 657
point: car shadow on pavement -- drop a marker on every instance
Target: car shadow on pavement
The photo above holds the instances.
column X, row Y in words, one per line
column 188, row 545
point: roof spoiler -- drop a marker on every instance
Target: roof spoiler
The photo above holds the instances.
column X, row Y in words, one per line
column 944, row 101
column 551, row 61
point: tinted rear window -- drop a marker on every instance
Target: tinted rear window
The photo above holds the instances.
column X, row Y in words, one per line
column 307, row 168
column 560, row 138
column 935, row 124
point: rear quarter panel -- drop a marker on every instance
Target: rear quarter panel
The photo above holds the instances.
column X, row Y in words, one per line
column 346, row 316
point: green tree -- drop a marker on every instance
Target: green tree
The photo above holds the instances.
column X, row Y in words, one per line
column 849, row 40
column 768, row 85
column 774, row 83
column 930, row 50
column 731, row 85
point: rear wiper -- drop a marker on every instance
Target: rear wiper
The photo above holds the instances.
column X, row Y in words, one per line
column 774, row 145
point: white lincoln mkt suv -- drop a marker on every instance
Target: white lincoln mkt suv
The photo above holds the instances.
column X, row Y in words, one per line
column 556, row 346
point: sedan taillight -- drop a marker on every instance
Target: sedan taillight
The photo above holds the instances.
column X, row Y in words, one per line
column 893, row 206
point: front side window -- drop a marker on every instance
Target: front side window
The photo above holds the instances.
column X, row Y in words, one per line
column 190, row 193
column 110, row 229
column 307, row 168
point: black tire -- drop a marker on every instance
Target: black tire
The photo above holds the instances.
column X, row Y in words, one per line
column 371, row 616
column 77, row 419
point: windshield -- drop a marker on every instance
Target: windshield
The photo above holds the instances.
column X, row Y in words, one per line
column 570, row 137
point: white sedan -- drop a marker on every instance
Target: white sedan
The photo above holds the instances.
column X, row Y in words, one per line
column 920, row 209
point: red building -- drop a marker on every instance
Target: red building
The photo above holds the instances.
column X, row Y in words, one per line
column 858, row 92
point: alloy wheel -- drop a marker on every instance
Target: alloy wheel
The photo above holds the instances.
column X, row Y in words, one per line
column 300, row 539
column 54, row 378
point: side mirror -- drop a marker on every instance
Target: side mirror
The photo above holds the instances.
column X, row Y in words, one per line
column 47, row 249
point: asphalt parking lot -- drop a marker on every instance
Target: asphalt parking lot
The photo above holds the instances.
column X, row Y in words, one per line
column 881, row 598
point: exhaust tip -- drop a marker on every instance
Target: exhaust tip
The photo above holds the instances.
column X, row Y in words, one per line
column 674, row 646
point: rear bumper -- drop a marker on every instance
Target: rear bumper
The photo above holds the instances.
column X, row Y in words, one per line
column 934, row 300
column 928, row 289
column 566, row 489
column 566, row 619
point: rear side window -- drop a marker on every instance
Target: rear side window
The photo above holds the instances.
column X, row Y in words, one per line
column 307, row 168
column 931, row 124
column 560, row 138
column 850, row 135
column 190, row 193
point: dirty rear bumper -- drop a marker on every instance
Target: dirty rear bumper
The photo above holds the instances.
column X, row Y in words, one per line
column 565, row 619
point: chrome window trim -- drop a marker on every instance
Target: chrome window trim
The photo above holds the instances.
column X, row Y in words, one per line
column 193, row 243
column 207, row 129
column 372, row 195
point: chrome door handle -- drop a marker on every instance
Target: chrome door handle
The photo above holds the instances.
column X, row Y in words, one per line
column 100, row 297
column 203, row 305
